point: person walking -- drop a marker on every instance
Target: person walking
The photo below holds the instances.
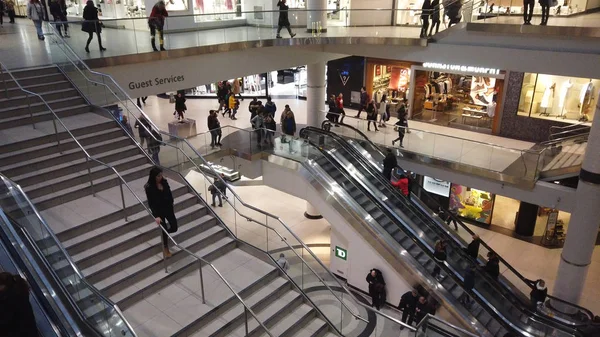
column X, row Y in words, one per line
column 126, row 125
column 473, row 248
column 468, row 284
column 408, row 304
column 221, row 95
column 91, row 25
column 270, row 107
column 379, row 296
column 180, row 107
column 284, row 20
column 258, row 124
column 154, row 143
column 373, row 278
column 156, row 22
column 143, row 101
column 253, row 107
column 382, row 110
column 237, row 89
column 160, row 200
column 271, row 127
column 528, row 11
column 143, row 127
column 401, row 127
column 389, row 163
column 2, row 9
column 35, row 12
column 364, row 101
column 332, row 114
column 545, row 11
column 217, row 189
column 425, row 13
column 16, row 314
column 288, row 124
column 58, row 9
column 10, row 10
column 421, row 310
column 283, row 262
column 372, row 115
column 340, row 108
column 214, row 128
column 440, row 255
column 435, row 17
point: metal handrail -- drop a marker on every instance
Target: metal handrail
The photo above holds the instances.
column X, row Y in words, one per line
column 431, row 317
column 510, row 267
column 554, row 127
column 123, row 182
column 563, row 139
column 356, row 316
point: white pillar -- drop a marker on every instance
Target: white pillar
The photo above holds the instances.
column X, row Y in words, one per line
column 585, row 221
column 311, row 212
column 316, row 16
column 315, row 94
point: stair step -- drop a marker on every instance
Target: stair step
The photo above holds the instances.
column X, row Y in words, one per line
column 30, row 71
column 27, row 109
column 38, row 117
column 27, row 81
column 315, row 327
column 22, row 99
column 39, row 88
column 276, row 312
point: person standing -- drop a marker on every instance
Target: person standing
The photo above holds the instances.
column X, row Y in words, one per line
column 380, row 296
column 35, row 12
column 284, row 20
column 421, row 310
column 270, row 107
column 364, row 100
column 382, row 110
column 58, row 9
column 16, row 314
column 435, row 17
column 160, row 200
column 439, row 255
column 288, row 123
column 332, row 114
column 154, row 142
column 340, row 107
column 143, row 128
column 389, row 163
column 216, row 189
column 91, row 25
column 408, row 304
column 545, row 11
column 373, row 278
column 473, row 248
column 371, row 116
column 258, row 124
column 253, row 107
column 528, row 11
column 10, row 10
column 425, row 13
column 468, row 284
column 126, row 125
column 156, row 22
column 271, row 127
column 237, row 89
column 539, row 292
column 180, row 107
column 492, row 267
column 401, row 126
column 402, row 185
column 2, row 9
column 214, row 126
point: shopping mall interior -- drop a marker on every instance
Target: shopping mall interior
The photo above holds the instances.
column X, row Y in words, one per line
column 352, row 176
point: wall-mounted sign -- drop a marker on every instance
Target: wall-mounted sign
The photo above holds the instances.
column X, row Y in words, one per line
column 344, row 76
column 341, row 253
column 436, row 186
column 156, row 82
column 456, row 67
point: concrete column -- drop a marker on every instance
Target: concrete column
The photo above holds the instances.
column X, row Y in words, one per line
column 316, row 16
column 585, row 221
column 315, row 94
column 311, row 212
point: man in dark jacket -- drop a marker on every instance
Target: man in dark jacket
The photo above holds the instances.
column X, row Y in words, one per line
column 58, row 9
column 217, row 189
column 270, row 107
column 364, row 100
column 373, row 278
column 408, row 303
column 284, row 21
column 213, row 127
column 16, row 315
column 421, row 310
column 389, row 163
column 156, row 22
column 469, row 283
column 539, row 292
column 473, row 248
column 143, row 127
column 492, row 267
column 435, row 17
column 425, row 13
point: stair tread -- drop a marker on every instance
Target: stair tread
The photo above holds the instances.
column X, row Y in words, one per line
column 4, row 99
column 39, row 103
column 292, row 317
column 42, row 113
column 270, row 311
column 314, row 325
column 31, row 87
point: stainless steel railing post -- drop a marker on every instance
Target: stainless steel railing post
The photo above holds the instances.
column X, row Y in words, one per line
column 202, row 284
column 246, row 320
column 4, row 81
column 56, row 133
column 29, row 108
column 122, row 199
column 87, row 159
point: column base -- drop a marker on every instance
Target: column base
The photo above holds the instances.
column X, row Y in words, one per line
column 322, row 30
column 312, row 217
column 311, row 212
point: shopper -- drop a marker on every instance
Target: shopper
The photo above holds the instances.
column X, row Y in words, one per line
column 154, row 143
column 35, row 12
column 545, row 11
column 232, row 105
column 401, row 126
column 389, row 163
column 143, row 101
column 364, row 100
column 453, row 12
column 160, row 200
column 528, row 6
column 253, row 107
column 402, row 185
column 283, row 262
column 270, row 107
column 237, row 89
column 492, row 267
column 258, row 124
column 439, row 255
column 143, row 127
column 473, row 248
column 288, row 124
column 180, row 107
column 332, row 114
column 379, row 295
column 374, row 277
column 408, row 304
column 372, row 115
column 468, row 284
column 383, row 109
column 91, row 25
column 425, row 13
column 58, row 9
column 16, row 314
column 217, row 189
column 284, row 21
column 214, row 128
column 156, row 22
column 221, row 94
column 539, row 292
column 421, row 310
column 10, row 10
column 126, row 125
column 271, row 127
column 2, row 9
column 435, row 17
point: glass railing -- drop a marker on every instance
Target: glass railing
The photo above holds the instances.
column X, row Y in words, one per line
column 510, row 278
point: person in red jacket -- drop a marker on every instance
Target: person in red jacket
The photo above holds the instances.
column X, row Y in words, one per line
column 156, row 22
column 339, row 102
column 402, row 184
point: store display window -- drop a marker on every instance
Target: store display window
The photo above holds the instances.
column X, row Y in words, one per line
column 409, row 12
column 388, row 78
column 471, row 203
column 220, row 10
column 570, row 99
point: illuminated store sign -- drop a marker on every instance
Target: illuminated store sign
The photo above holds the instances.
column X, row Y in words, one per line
column 436, row 186
column 456, row 67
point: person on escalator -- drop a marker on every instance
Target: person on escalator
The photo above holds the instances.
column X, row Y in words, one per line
column 468, row 284
column 373, row 278
column 389, row 163
column 492, row 267
column 16, row 315
column 408, row 303
column 440, row 255
column 539, row 292
column 473, row 248
column 402, row 185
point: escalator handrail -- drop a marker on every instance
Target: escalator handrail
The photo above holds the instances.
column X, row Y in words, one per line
column 454, row 217
column 430, row 317
column 450, row 272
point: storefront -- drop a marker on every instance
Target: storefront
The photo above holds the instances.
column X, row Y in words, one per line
column 461, row 96
column 390, row 78
column 568, row 99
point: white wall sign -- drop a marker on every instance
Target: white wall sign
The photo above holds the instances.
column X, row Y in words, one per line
column 436, row 186
column 455, row 67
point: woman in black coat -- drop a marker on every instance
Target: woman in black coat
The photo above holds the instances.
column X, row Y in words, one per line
column 284, row 21
column 160, row 201
column 91, row 25
column 180, row 106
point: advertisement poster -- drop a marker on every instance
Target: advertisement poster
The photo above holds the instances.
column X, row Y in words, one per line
column 436, row 186
column 399, row 79
column 388, row 69
column 482, row 90
column 377, row 70
column 472, row 203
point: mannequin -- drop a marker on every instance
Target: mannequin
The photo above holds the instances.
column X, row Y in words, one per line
column 547, row 99
column 585, row 100
column 564, row 90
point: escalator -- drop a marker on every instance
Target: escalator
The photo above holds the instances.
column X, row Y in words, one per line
column 497, row 309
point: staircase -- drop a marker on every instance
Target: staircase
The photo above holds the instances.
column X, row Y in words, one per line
column 566, row 162
column 114, row 241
